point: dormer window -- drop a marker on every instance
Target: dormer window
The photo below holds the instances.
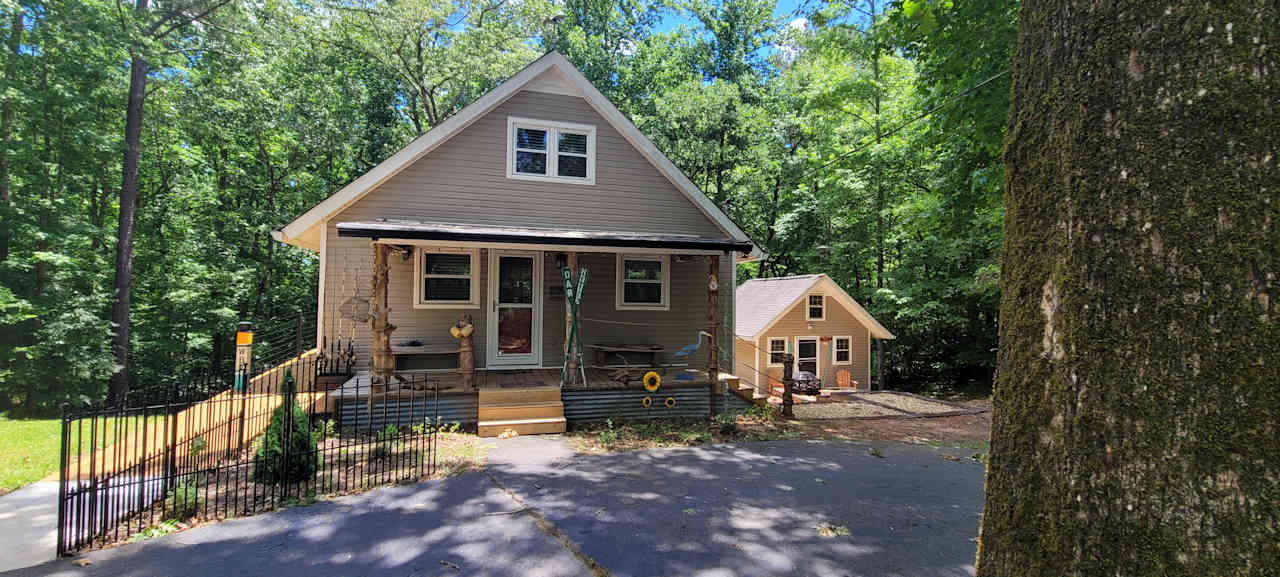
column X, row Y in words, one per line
column 556, row 151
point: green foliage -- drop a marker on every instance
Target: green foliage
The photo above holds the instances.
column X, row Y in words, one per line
column 608, row 435
column 326, row 429
column 287, row 450
column 157, row 530
column 184, row 500
column 256, row 116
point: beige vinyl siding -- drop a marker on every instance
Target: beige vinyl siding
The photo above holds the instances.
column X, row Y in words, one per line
column 839, row 323
column 464, row 182
column 745, row 367
column 349, row 268
column 351, row 260
column 672, row 329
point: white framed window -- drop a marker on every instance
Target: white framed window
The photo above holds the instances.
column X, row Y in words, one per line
column 842, row 351
column 446, row 278
column 816, row 309
column 546, row 150
column 643, row 282
column 777, row 347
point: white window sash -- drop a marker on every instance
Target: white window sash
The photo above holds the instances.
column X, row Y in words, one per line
column 836, row 350
column 769, row 353
column 419, row 275
column 620, row 282
column 552, row 152
column 808, row 308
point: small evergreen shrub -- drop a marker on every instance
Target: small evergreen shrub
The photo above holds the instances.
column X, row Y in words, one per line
column 289, row 432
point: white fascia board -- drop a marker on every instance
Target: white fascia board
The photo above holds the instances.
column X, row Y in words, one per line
column 876, row 329
column 304, row 224
column 415, row 150
column 628, row 129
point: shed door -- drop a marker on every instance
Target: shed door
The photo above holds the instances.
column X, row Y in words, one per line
column 807, row 355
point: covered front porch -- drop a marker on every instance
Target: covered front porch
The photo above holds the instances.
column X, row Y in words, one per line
column 454, row 311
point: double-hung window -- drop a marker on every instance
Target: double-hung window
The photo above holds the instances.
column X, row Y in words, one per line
column 843, row 347
column 643, row 282
column 544, row 150
column 777, row 348
column 817, row 310
column 446, row 278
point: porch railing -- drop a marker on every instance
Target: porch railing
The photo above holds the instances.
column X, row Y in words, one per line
column 149, row 465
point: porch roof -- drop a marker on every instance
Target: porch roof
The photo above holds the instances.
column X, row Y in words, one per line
column 512, row 235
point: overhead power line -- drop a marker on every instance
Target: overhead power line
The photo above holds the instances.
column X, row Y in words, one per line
column 927, row 112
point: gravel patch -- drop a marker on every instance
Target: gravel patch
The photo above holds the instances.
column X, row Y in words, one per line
column 843, row 410
column 910, row 404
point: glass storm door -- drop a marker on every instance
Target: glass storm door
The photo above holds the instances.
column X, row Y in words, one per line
column 807, row 356
column 515, row 285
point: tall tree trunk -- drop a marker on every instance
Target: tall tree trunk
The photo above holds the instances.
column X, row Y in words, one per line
column 138, row 68
column 6, row 126
column 880, row 196
column 1135, row 426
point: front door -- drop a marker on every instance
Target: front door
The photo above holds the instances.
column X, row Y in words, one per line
column 807, row 355
column 515, row 308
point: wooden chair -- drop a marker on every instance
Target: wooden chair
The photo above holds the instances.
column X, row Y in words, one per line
column 844, row 380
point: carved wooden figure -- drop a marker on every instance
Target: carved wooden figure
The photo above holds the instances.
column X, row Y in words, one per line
column 462, row 330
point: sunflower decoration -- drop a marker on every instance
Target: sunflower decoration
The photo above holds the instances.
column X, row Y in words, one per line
column 647, row 401
column 670, row 402
column 652, row 380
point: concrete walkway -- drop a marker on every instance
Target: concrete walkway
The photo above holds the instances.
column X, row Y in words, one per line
column 29, row 525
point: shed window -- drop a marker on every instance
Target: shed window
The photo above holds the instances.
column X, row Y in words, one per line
column 544, row 150
column 643, row 282
column 777, row 348
column 817, row 308
column 843, row 347
column 446, row 278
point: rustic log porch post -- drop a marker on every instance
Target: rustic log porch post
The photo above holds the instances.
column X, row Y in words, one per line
column 713, row 319
column 384, row 364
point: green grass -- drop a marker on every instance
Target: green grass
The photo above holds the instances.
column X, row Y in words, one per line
column 29, row 448
column 28, row 451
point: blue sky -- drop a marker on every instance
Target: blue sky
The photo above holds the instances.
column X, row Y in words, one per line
column 785, row 10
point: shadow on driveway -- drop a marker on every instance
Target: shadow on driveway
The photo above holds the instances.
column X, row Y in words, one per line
column 455, row 526
column 727, row 510
column 754, row 509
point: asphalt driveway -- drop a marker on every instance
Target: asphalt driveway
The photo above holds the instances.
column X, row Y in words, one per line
column 766, row 509
column 775, row 508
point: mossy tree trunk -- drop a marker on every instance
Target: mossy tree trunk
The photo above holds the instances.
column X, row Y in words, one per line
column 1138, row 389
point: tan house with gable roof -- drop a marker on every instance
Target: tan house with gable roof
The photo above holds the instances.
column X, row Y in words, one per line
column 481, row 215
column 810, row 317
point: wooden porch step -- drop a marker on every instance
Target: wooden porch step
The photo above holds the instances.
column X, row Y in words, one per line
column 748, row 393
column 514, row 395
column 515, row 411
column 538, row 426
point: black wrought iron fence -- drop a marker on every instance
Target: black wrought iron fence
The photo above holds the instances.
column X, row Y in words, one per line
column 226, row 447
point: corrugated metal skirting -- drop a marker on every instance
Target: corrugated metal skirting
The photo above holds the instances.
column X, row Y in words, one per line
column 462, row 409
column 578, row 406
column 627, row 404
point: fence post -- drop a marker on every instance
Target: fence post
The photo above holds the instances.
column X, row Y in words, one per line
column 64, row 448
column 244, row 354
column 788, row 385
column 170, row 450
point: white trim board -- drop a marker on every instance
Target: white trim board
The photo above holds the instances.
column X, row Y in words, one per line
column 303, row 230
column 874, row 328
